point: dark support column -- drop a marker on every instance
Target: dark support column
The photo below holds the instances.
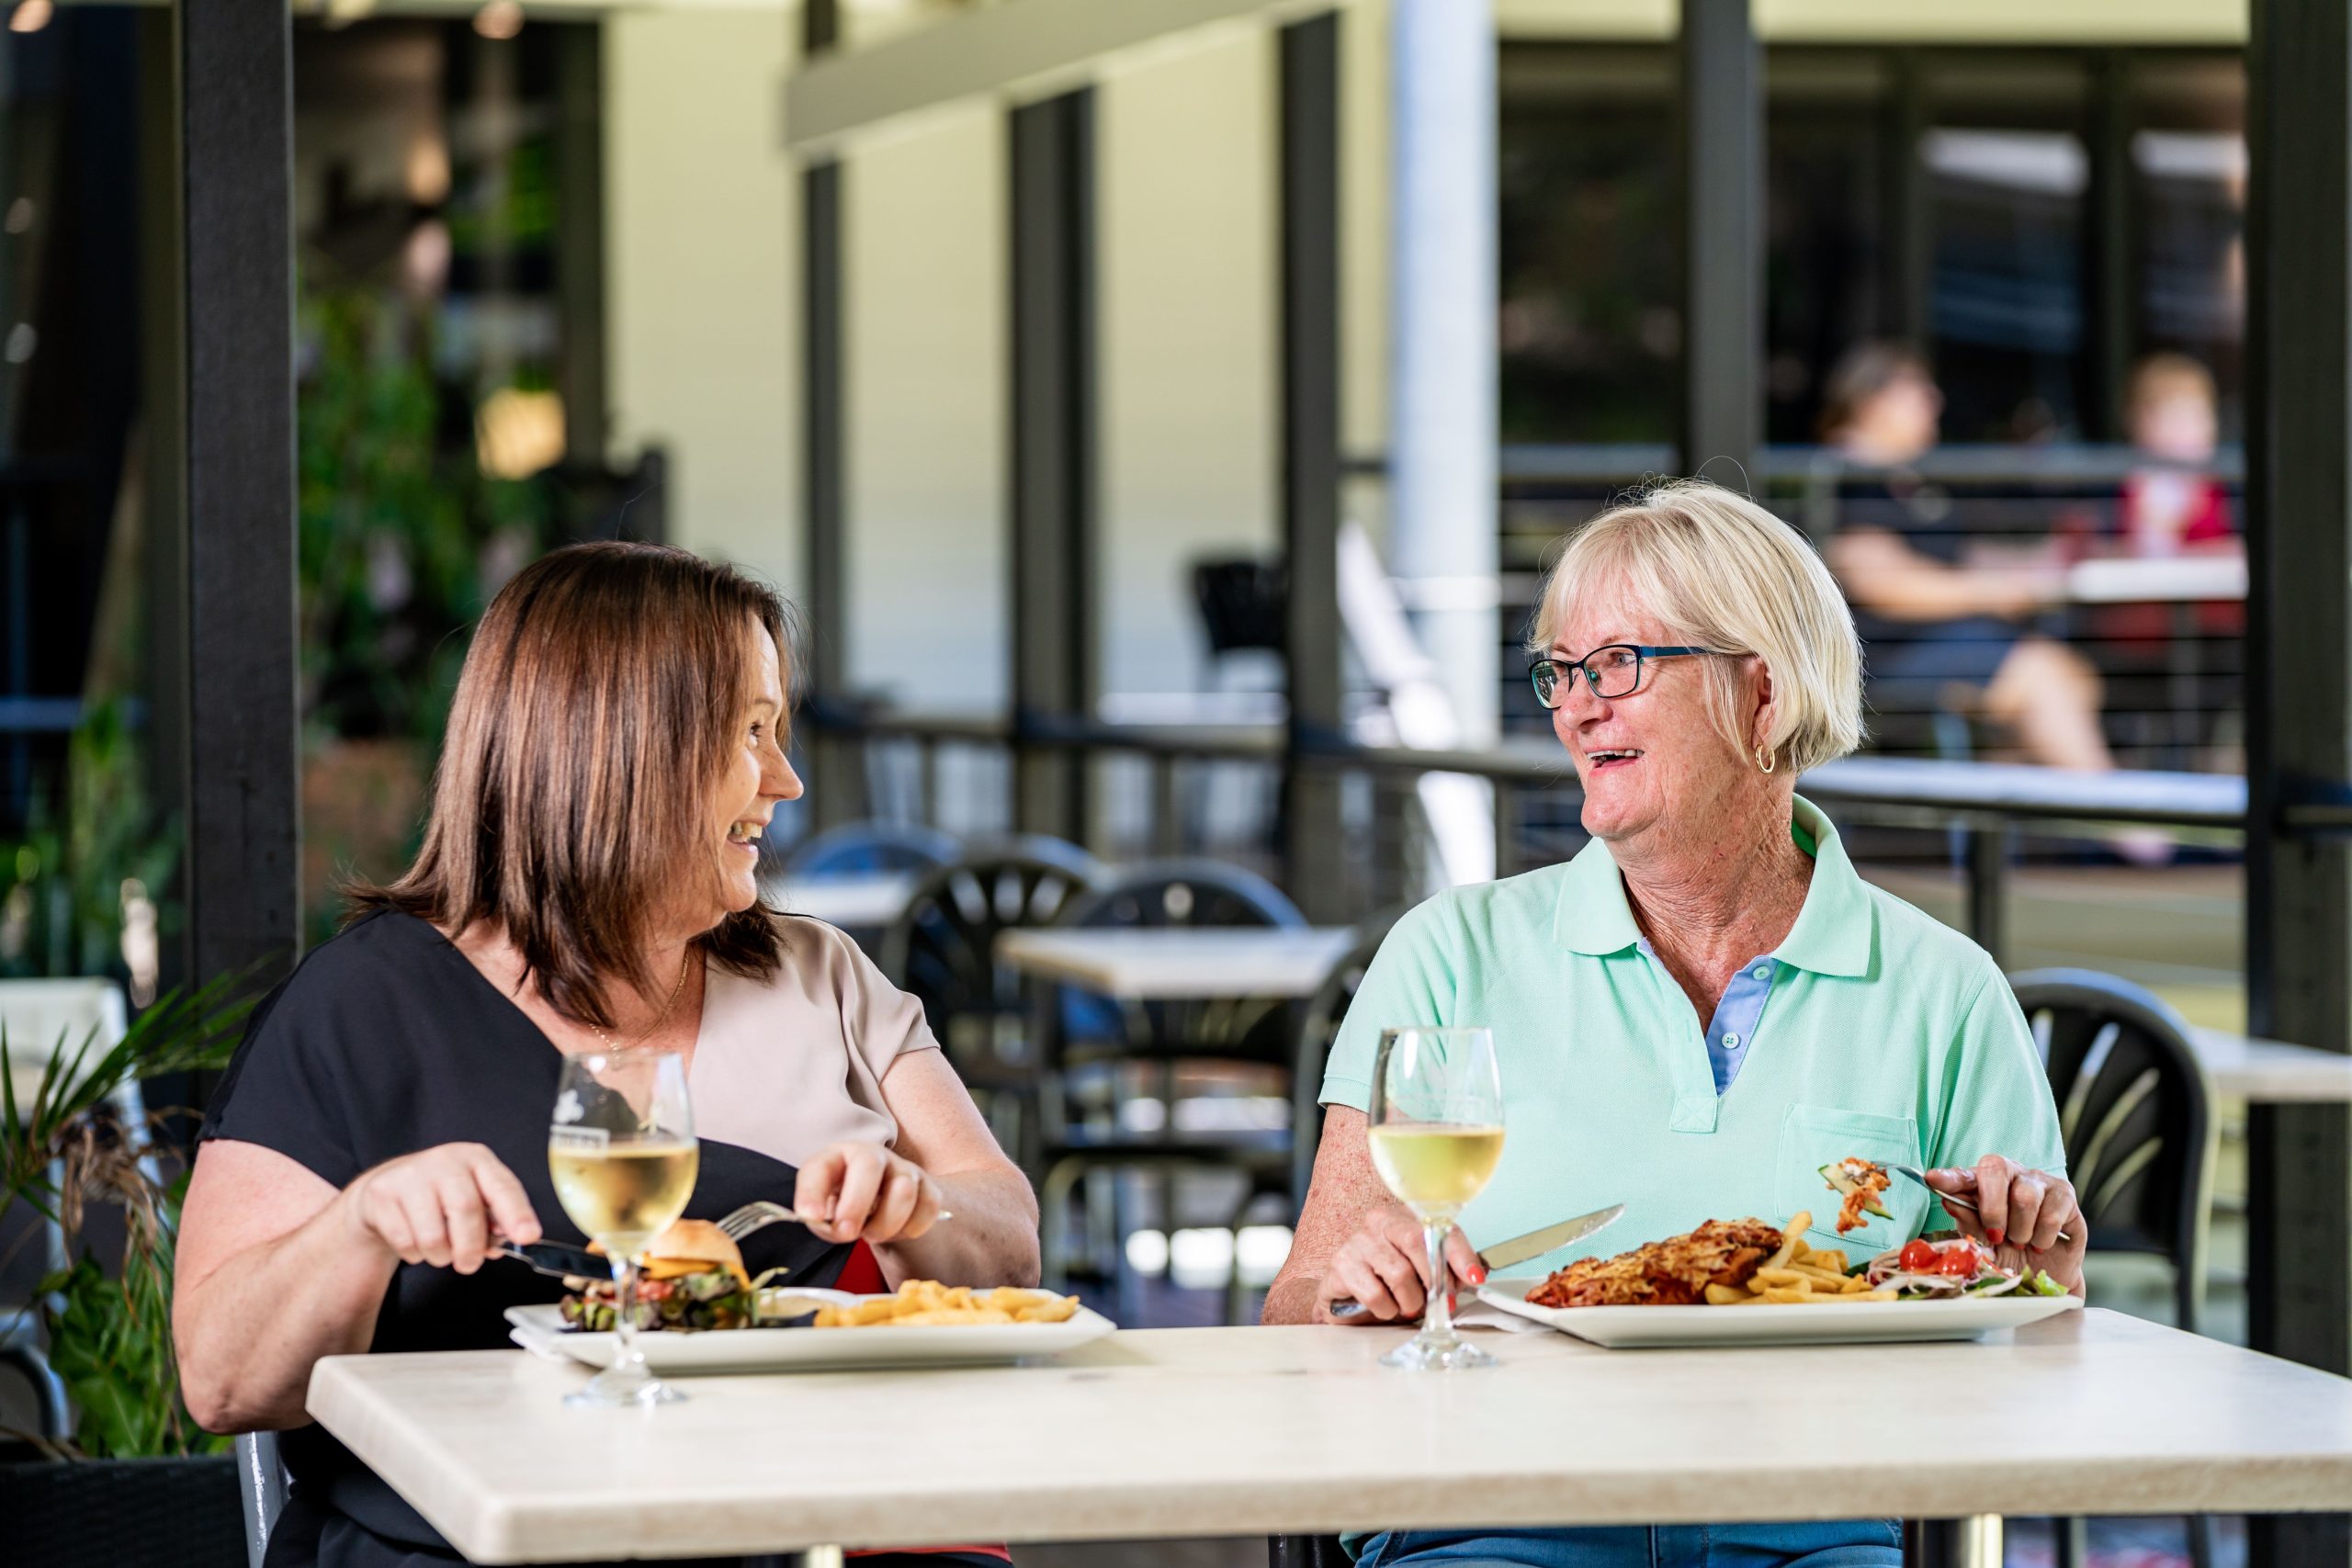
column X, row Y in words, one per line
column 163, row 432
column 837, row 792
column 1909, row 221
column 1054, row 501
column 2109, row 282
column 2298, row 697
column 1313, row 848
column 580, row 239
column 1723, row 205
column 244, row 798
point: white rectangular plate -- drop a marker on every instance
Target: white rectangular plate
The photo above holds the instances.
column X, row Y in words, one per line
column 813, row 1349
column 1840, row 1323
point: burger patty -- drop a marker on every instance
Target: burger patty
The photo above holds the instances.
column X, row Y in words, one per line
column 1673, row 1272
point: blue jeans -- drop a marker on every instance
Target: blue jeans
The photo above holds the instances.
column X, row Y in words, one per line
column 1843, row 1543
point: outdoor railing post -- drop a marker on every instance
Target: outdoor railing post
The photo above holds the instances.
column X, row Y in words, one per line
column 1987, row 850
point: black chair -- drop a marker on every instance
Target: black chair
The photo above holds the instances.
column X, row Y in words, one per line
column 856, row 848
column 1157, row 894
column 1317, row 1032
column 2136, row 1118
column 1097, row 1038
column 261, row 1486
column 1307, row 1551
column 942, row 951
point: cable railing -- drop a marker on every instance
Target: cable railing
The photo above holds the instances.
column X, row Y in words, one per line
column 1983, row 806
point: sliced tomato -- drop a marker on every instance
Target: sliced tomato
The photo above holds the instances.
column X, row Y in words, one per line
column 1918, row 1257
column 1961, row 1260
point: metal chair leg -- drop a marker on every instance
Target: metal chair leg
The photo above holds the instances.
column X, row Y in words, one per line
column 2200, row 1541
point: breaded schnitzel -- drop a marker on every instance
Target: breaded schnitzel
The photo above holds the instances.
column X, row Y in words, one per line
column 1673, row 1272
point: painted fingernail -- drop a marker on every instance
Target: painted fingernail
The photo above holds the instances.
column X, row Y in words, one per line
column 1993, row 1236
column 1478, row 1276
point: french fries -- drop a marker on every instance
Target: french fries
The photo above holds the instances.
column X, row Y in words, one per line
column 1797, row 1275
column 926, row 1303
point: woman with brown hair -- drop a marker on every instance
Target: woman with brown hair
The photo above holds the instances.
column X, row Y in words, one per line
column 587, row 883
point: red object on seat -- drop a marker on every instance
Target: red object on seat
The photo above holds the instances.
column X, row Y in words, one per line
column 862, row 1274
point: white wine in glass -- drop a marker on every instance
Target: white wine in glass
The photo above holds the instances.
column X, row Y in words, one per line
column 1436, row 1130
column 622, row 1152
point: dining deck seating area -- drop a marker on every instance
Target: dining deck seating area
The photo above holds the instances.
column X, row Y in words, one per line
column 583, row 582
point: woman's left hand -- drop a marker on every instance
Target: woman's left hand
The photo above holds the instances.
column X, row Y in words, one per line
column 2020, row 1212
column 864, row 1192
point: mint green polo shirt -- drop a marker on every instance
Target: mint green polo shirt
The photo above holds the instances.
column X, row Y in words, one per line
column 1883, row 1034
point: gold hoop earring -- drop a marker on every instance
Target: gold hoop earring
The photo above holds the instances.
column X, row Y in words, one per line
column 1765, row 761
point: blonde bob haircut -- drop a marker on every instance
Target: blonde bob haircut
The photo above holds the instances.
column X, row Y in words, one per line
column 1722, row 573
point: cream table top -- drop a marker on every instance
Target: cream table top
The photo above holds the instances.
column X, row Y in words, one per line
column 864, row 900
column 1233, row 1431
column 1180, row 963
column 2272, row 1072
column 2133, row 579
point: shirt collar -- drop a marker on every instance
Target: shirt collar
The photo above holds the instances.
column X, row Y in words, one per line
column 1834, row 930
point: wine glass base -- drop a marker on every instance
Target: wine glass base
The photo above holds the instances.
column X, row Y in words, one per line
column 606, row 1392
column 1422, row 1353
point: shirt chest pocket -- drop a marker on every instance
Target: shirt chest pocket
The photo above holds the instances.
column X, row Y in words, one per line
column 1816, row 1135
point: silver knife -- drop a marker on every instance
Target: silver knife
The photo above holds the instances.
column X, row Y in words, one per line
column 1517, row 1249
column 556, row 1259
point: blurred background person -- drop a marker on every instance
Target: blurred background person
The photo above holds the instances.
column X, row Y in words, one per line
column 1948, row 617
column 2173, row 503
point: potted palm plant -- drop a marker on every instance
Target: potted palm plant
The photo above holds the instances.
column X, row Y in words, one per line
column 135, row 1480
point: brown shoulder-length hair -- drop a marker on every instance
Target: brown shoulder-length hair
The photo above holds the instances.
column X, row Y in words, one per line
column 599, row 702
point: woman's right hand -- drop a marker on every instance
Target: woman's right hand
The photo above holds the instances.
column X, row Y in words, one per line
column 447, row 1206
column 1384, row 1265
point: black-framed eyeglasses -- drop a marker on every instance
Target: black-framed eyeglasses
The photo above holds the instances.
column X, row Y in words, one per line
column 1611, row 671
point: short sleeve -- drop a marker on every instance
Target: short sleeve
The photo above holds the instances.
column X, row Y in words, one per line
column 285, row 1088
column 880, row 1021
column 1411, row 981
column 1998, row 1092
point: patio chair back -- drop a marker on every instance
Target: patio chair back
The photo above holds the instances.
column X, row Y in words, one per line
column 1318, row 1030
column 856, row 848
column 941, row 947
column 2135, row 1114
column 1157, row 894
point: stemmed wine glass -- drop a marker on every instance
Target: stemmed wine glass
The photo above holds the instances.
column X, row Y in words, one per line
column 1436, row 1127
column 621, row 1148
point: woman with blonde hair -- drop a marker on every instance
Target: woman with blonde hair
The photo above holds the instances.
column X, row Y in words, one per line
column 1704, row 1006
column 588, row 883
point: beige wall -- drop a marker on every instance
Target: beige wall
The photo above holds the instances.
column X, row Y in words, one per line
column 1887, row 21
column 925, row 303
column 1187, row 148
column 703, row 273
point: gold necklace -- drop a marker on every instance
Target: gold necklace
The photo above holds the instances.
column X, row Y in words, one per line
column 675, row 991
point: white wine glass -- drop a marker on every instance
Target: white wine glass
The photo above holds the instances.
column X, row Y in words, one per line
column 621, row 1148
column 1436, row 1129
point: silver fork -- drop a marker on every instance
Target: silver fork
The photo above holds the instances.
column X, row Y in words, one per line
column 759, row 1214
column 1952, row 1200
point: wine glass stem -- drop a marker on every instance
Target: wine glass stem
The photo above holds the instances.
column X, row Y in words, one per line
column 1438, row 1322
column 629, row 1361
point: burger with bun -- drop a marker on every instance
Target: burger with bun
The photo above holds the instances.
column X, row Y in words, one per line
column 690, row 1276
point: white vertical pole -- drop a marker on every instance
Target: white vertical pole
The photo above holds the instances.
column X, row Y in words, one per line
column 1443, row 297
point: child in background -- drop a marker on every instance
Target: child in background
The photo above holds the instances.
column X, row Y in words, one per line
column 2173, row 504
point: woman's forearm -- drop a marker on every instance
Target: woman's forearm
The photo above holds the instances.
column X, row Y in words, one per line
column 992, row 1240
column 249, row 1332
